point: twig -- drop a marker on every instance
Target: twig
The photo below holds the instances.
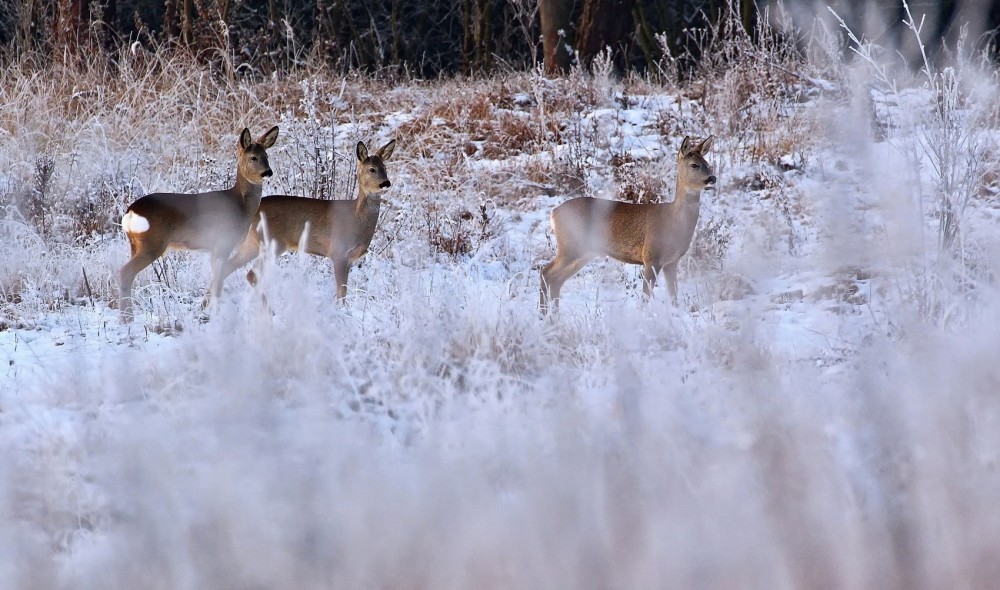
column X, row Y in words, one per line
column 86, row 283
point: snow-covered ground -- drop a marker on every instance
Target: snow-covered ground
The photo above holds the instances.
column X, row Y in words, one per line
column 821, row 409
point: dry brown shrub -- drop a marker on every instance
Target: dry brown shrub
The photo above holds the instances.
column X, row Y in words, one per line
column 509, row 135
column 415, row 128
column 638, row 181
column 457, row 233
column 481, row 109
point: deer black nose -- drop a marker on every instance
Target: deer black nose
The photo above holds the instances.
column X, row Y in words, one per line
column 266, row 173
column 385, row 184
column 710, row 181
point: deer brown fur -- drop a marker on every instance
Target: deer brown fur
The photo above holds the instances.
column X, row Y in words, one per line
column 654, row 235
column 340, row 230
column 213, row 222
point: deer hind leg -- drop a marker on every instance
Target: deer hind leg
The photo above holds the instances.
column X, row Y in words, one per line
column 555, row 274
column 143, row 254
column 341, row 268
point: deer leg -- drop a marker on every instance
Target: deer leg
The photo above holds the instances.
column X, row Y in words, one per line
column 248, row 250
column 555, row 274
column 649, row 272
column 341, row 268
column 543, row 294
column 215, row 286
column 670, row 275
column 356, row 252
column 269, row 250
column 550, row 285
column 141, row 258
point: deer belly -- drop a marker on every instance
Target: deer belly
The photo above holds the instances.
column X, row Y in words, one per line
column 625, row 250
column 624, row 257
column 199, row 243
column 307, row 237
column 189, row 245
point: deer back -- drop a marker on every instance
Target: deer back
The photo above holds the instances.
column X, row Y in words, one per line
column 205, row 221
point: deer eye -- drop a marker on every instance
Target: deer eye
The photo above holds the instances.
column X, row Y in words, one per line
column 372, row 170
column 253, row 158
column 695, row 165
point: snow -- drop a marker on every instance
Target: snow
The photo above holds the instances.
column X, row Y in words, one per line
column 797, row 407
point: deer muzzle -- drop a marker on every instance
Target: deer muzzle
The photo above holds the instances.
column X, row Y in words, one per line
column 710, row 181
column 385, row 184
column 266, row 173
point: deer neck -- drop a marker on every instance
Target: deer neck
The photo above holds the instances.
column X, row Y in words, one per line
column 685, row 207
column 368, row 203
column 248, row 192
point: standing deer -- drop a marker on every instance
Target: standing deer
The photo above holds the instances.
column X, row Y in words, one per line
column 213, row 222
column 654, row 235
column 340, row 230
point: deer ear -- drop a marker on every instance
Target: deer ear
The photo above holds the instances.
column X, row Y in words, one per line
column 267, row 140
column 706, row 145
column 245, row 139
column 686, row 145
column 385, row 152
column 362, row 151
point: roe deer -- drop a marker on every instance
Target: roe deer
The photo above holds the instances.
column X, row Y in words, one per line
column 654, row 235
column 215, row 222
column 340, row 230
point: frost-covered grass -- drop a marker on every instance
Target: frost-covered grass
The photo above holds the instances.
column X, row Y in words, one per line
column 820, row 410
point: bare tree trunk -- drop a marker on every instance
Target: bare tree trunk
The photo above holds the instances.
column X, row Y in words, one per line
column 748, row 16
column 170, row 20
column 477, row 40
column 396, row 35
column 187, row 24
column 70, row 24
column 484, row 40
column 110, row 18
column 467, row 35
column 555, row 20
column 605, row 23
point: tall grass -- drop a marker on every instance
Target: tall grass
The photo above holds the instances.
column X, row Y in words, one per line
column 425, row 441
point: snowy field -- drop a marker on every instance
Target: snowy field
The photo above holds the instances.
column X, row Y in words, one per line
column 820, row 411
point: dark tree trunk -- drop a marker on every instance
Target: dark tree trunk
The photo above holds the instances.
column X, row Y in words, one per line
column 605, row 23
column 70, row 24
column 477, row 40
column 467, row 38
column 555, row 17
column 484, row 39
column 187, row 22
column 748, row 16
column 111, row 16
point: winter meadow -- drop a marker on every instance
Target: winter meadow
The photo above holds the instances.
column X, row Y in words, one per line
column 821, row 409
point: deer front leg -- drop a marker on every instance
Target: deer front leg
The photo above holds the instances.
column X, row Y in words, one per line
column 355, row 253
column 215, row 286
column 270, row 252
column 341, row 268
column 649, row 271
column 248, row 250
column 670, row 275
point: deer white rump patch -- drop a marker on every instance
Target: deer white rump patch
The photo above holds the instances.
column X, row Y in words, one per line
column 134, row 223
